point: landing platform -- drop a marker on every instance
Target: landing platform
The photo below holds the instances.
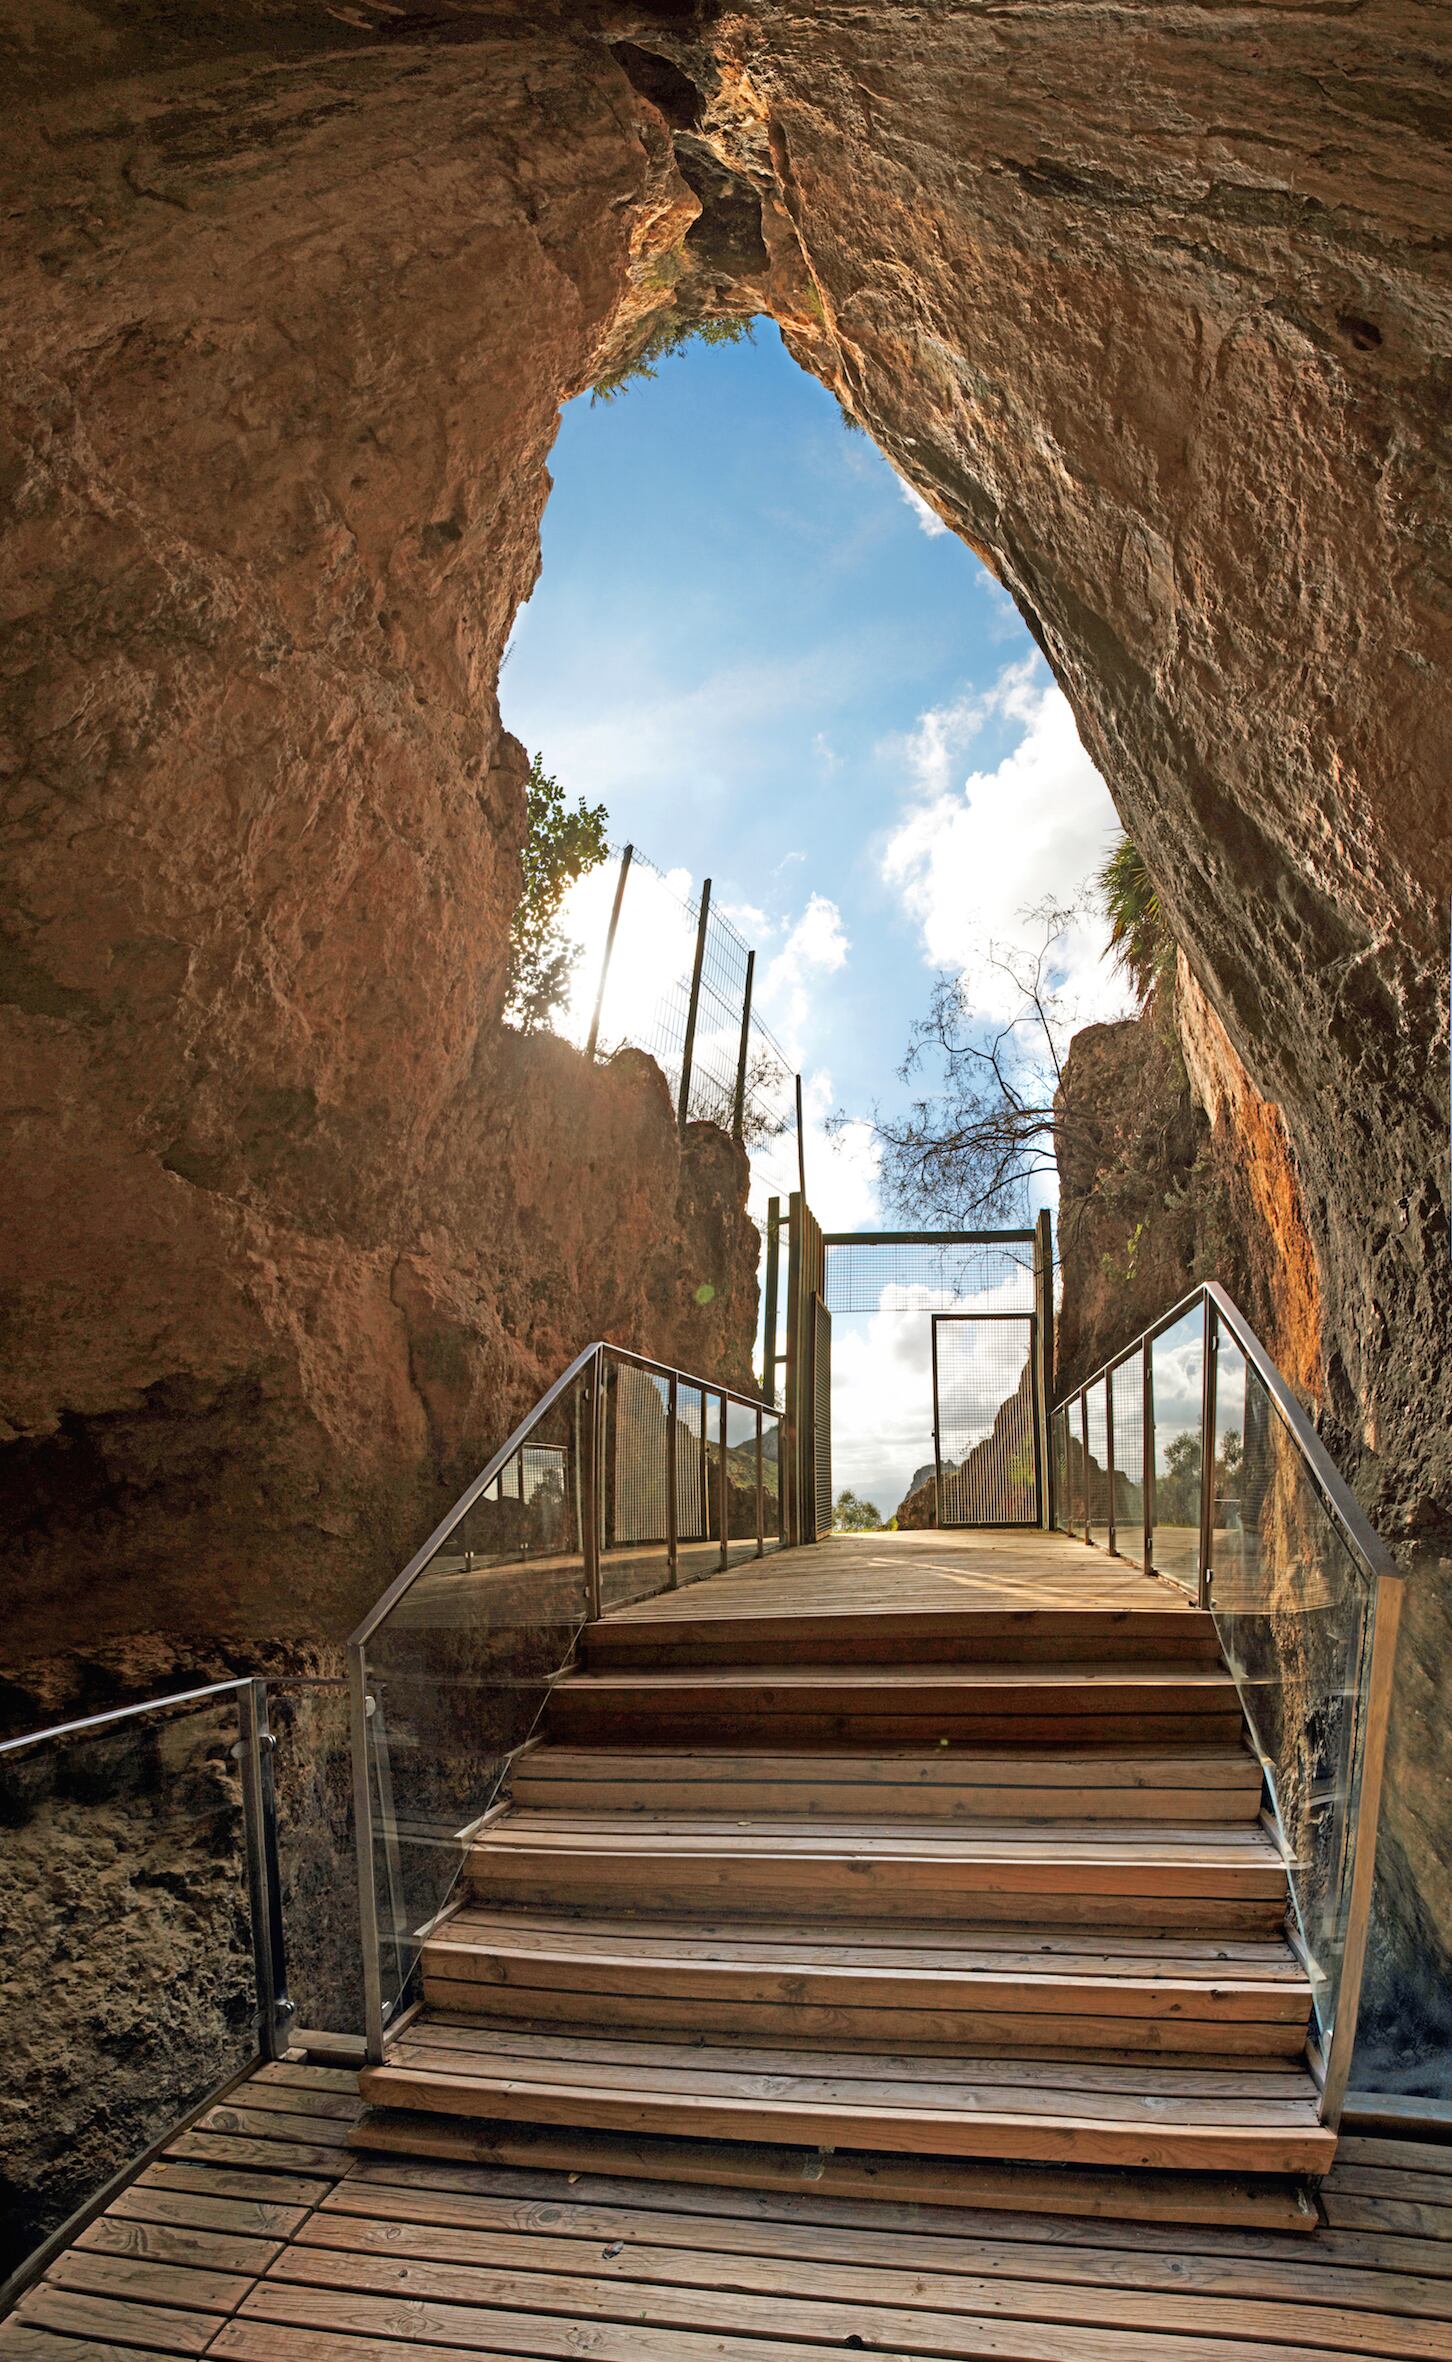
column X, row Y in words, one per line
column 263, row 2236
column 894, row 1573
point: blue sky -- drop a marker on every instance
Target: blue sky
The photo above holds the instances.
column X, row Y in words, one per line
column 776, row 668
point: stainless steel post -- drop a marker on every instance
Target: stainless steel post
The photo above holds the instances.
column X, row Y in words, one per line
column 1147, row 1380
column 760, row 1490
column 1209, row 1353
column 673, row 1544
column 1109, row 1461
column 725, row 1489
column 358, row 1706
column 254, row 1752
column 590, row 1437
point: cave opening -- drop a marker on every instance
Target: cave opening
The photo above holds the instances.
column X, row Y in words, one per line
column 768, row 658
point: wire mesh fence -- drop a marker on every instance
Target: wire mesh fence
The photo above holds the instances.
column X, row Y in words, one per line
column 663, row 969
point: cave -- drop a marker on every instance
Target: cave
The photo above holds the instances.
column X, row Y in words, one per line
column 1151, row 307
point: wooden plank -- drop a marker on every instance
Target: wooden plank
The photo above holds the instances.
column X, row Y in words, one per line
column 20, row 2341
column 1218, row 2078
column 270, row 2185
column 193, row 2210
column 811, row 2022
column 114, row 2320
column 1040, row 2138
column 1146, row 2091
column 205, row 2147
column 621, row 1968
column 260, row 2120
column 1059, row 1767
column 886, row 2286
column 933, row 1636
column 1122, row 2256
column 541, row 2313
column 148, row 2282
column 120, row 2232
column 907, row 1943
column 972, row 2195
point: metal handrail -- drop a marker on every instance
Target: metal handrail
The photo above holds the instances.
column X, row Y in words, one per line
column 1368, row 1554
column 472, row 1492
column 1330, row 1483
column 587, row 1368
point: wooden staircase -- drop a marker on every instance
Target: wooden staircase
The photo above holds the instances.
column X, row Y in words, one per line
column 952, row 1885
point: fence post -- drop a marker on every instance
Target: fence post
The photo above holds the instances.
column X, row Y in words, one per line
column 1044, row 1317
column 760, row 1491
column 801, row 1146
column 1084, row 1462
column 688, row 1053
column 738, row 1113
column 769, row 1355
column 625, row 861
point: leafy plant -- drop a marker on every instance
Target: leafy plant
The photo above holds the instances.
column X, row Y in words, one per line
column 1139, row 934
column 854, row 1516
column 671, row 334
column 562, row 844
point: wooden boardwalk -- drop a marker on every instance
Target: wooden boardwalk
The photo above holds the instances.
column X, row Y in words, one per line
column 263, row 2237
column 892, row 1573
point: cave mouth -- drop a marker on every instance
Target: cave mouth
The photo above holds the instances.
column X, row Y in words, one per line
column 804, row 688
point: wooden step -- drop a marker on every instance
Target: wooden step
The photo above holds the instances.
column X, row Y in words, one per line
column 915, row 1984
column 410, row 2156
column 1228, row 1881
column 1144, row 2114
column 1090, row 1704
column 949, row 1784
column 919, row 1636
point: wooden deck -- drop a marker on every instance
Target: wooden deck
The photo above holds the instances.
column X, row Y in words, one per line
column 890, row 1573
column 263, row 2237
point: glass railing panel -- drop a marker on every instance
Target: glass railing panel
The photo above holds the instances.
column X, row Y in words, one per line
column 1078, row 1492
column 771, row 1478
column 459, row 1670
column 740, row 1481
column 312, row 1774
column 1063, row 1505
column 698, row 1414
column 1127, row 1393
column 1295, row 1611
column 1096, row 1414
column 127, row 1947
column 635, row 1469
column 1177, row 1373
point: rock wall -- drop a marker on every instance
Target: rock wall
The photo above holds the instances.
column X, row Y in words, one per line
column 295, row 1228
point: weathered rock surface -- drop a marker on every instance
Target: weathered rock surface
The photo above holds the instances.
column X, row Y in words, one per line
column 1154, row 307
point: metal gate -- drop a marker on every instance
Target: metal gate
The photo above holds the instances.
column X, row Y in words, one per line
column 822, row 1413
column 987, row 1446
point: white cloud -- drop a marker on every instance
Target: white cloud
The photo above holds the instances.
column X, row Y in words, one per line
column 816, row 946
column 973, row 853
column 931, row 523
